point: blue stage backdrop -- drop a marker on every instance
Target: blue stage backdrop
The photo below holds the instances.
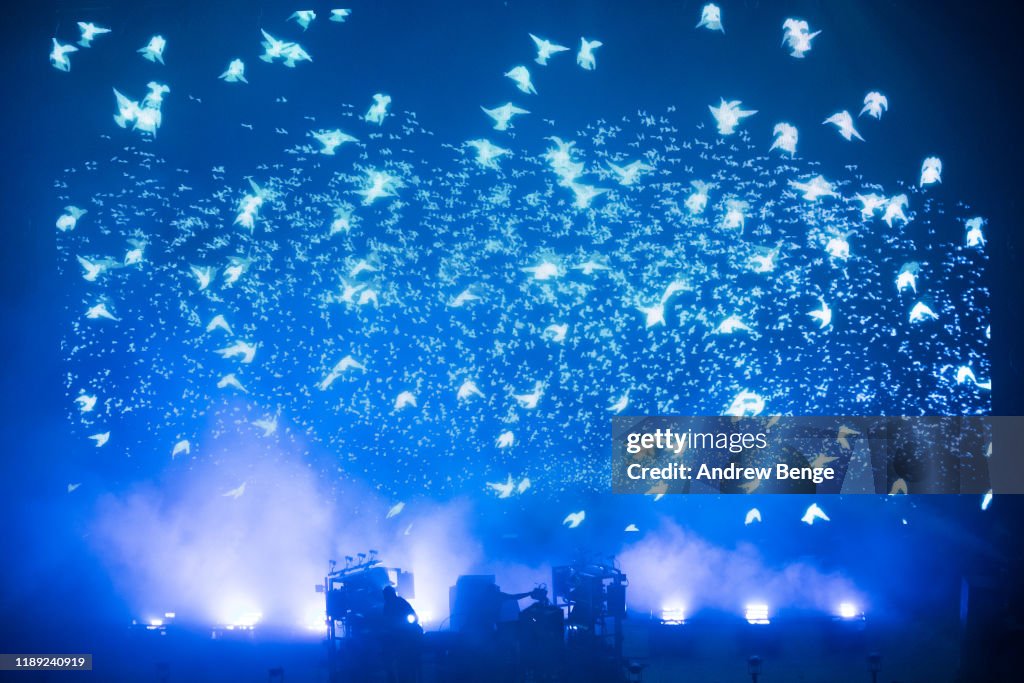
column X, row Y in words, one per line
column 382, row 280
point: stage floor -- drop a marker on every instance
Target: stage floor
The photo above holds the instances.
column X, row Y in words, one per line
column 708, row 649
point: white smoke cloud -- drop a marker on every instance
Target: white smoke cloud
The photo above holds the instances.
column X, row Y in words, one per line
column 672, row 566
column 186, row 547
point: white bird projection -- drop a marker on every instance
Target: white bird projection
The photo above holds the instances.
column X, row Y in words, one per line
column 556, row 332
column 545, row 270
column 906, row 279
column 405, row 399
column 303, row 17
column 711, row 18
column 530, row 400
column 823, row 315
column 86, row 403
column 797, row 35
column 235, row 73
column 574, row 519
column 503, row 115
column 630, row 173
column 728, row 115
column 895, row 210
column 487, row 282
column 545, row 49
column 235, row 493
column 331, row 140
column 89, row 31
column 468, row 389
column 871, row 203
column 590, row 267
column 922, row 312
column 844, row 125
column 244, row 350
column 59, row 56
column 487, row 153
column 731, row 325
column 520, row 75
column 379, row 184
column 100, row 311
column 814, row 513
column 288, row 53
column 101, row 439
column 231, row 381
column 697, row 200
column 786, row 137
column 154, row 49
column 585, row 58
column 619, row 404
column 746, row 403
column 735, row 217
column 267, row 424
column 931, row 171
column 838, row 247
column 814, row 189
column 378, row 110
column 218, row 322
column 344, row 365
column 146, row 117
column 509, row 487
column 975, row 237
column 875, row 103
column 69, row 219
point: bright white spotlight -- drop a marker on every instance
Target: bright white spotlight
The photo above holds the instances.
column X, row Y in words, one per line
column 244, row 621
column 848, row 610
column 156, row 622
column 673, row 615
column 986, row 500
column 757, row 613
column 316, row 620
column 411, row 618
column 424, row 611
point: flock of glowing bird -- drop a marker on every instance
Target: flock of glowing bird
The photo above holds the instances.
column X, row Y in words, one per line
column 384, row 301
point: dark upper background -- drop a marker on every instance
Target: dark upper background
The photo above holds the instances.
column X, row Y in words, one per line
column 951, row 70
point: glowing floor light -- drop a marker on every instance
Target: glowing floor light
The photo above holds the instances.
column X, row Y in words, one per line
column 244, row 621
column 848, row 610
column 316, row 620
column 424, row 615
column 673, row 615
column 150, row 624
column 757, row 613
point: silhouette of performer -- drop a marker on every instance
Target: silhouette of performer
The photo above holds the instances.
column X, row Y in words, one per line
column 401, row 634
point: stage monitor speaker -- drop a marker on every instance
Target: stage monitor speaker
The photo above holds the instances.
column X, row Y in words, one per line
column 616, row 597
column 471, row 601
